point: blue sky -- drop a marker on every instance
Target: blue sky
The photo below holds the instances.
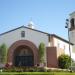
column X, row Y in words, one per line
column 47, row 15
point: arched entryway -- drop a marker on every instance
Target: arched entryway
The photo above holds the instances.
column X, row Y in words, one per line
column 23, row 56
column 23, row 50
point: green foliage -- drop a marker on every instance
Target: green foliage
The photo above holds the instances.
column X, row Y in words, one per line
column 3, row 50
column 41, row 52
column 64, row 61
column 24, row 69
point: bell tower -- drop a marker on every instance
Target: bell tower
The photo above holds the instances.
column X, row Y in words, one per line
column 72, row 21
column 72, row 29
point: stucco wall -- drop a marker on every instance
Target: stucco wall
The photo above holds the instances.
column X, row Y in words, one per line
column 30, row 35
column 33, row 36
column 62, row 45
column 72, row 39
column 72, row 34
column 60, row 51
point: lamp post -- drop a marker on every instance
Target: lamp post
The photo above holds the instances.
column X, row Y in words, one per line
column 67, row 26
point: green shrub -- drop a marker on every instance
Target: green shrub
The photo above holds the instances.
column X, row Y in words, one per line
column 64, row 61
column 3, row 53
column 41, row 52
column 25, row 69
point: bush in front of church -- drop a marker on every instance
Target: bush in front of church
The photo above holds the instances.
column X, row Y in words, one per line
column 41, row 52
column 25, row 69
column 3, row 53
column 64, row 61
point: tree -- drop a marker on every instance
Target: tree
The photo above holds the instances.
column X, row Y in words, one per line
column 3, row 51
column 64, row 61
column 41, row 52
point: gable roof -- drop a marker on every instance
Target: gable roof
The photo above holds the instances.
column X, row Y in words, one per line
column 23, row 27
column 54, row 35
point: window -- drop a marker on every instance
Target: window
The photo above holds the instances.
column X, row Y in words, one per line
column 22, row 33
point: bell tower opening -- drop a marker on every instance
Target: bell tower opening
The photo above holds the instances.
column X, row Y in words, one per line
column 72, row 23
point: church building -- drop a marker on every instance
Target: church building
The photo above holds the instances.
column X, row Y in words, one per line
column 23, row 45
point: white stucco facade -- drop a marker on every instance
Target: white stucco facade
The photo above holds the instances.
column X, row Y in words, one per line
column 31, row 35
column 72, row 32
column 72, row 39
column 36, row 37
column 63, row 45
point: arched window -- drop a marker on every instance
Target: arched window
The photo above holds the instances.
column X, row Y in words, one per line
column 22, row 33
column 72, row 23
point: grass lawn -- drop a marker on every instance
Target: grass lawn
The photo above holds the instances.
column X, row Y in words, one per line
column 36, row 73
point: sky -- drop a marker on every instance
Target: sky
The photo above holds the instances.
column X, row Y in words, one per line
column 47, row 15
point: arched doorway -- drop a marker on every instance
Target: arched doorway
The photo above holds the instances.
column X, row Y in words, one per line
column 16, row 53
column 23, row 56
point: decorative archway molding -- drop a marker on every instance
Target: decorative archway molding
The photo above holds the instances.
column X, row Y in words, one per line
column 32, row 46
